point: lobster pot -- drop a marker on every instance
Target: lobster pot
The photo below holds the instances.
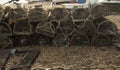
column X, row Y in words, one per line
column 16, row 14
column 101, row 40
column 5, row 29
column 99, row 11
column 86, row 27
column 107, row 27
column 6, row 13
column 116, row 39
column 22, row 27
column 45, row 28
column 80, row 14
column 66, row 27
column 78, row 39
column 37, row 14
column 59, row 14
column 99, row 20
column 114, row 7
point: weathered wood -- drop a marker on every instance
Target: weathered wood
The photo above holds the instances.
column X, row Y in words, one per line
column 29, row 59
column 4, row 56
column 26, row 63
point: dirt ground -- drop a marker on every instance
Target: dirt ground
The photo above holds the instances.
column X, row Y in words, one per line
column 78, row 57
column 75, row 58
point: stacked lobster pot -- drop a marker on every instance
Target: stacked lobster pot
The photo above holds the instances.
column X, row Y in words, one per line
column 42, row 28
column 63, row 25
column 92, row 28
column 106, row 29
column 85, row 28
column 21, row 29
column 57, row 26
column 5, row 31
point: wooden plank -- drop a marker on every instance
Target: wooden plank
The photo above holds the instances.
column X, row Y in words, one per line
column 29, row 59
column 4, row 56
column 26, row 63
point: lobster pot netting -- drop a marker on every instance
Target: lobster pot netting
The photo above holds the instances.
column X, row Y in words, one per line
column 101, row 40
column 5, row 42
column 60, row 41
column 80, row 14
column 99, row 11
column 78, row 39
column 86, row 27
column 6, row 13
column 16, row 14
column 5, row 29
column 59, row 14
column 45, row 28
column 66, row 27
column 99, row 20
column 37, row 14
column 22, row 27
column 113, row 7
column 107, row 27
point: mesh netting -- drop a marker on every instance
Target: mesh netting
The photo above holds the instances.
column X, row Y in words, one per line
column 80, row 14
column 99, row 11
column 37, row 14
column 45, row 28
column 14, row 14
column 59, row 14
column 66, row 27
column 86, row 27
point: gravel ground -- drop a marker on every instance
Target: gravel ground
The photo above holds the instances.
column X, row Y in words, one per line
column 75, row 57
column 72, row 57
